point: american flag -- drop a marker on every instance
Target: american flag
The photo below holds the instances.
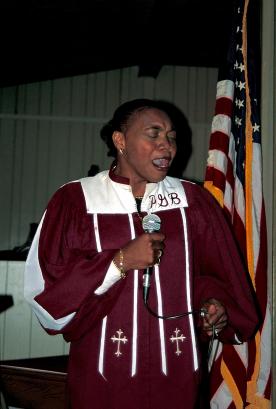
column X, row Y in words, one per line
column 241, row 374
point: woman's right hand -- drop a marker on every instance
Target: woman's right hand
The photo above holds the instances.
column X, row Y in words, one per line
column 142, row 252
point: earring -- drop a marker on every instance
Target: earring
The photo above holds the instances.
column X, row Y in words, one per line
column 121, row 151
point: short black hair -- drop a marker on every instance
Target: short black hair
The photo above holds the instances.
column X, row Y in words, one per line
column 121, row 118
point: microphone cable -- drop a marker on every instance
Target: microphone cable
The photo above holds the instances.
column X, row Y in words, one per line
column 202, row 312
column 152, row 223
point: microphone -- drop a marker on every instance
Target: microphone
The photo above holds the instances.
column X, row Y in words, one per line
column 151, row 223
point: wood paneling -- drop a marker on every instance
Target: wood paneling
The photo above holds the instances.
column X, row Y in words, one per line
column 34, row 383
column 21, row 336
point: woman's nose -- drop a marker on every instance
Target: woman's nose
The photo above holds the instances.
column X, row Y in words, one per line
column 165, row 143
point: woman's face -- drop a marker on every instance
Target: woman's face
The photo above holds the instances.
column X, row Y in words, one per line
column 149, row 145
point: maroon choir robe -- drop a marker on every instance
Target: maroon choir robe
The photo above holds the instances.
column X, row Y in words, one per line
column 121, row 357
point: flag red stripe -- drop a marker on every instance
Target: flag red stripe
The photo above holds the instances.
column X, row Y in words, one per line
column 236, row 367
column 224, row 106
column 215, row 376
column 251, row 358
column 230, row 174
column 217, row 176
column 219, row 141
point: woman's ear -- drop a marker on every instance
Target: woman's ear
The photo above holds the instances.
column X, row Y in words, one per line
column 119, row 141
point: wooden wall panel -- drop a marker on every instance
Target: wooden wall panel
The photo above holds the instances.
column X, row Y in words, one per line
column 8, row 100
column 21, row 336
column 17, row 185
column 164, row 88
column 42, row 187
column 41, row 344
column 181, row 79
column 7, row 146
column 112, row 92
column 91, row 101
column 18, row 318
column 3, row 291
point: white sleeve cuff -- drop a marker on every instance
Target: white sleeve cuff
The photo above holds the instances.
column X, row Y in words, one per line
column 111, row 277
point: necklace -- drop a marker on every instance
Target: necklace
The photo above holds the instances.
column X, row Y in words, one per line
column 138, row 200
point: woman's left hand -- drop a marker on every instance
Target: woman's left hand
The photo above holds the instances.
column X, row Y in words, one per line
column 214, row 315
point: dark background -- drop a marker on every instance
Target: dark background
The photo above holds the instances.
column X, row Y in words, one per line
column 46, row 39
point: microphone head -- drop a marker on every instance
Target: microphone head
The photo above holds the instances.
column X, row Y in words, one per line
column 151, row 222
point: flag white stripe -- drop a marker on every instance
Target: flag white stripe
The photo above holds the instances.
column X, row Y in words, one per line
column 256, row 200
column 228, row 197
column 225, row 89
column 217, row 160
column 239, row 202
column 221, row 123
column 232, row 152
column 242, row 351
column 222, row 398
column 265, row 364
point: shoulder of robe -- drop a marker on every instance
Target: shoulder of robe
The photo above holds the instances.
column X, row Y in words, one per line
column 198, row 195
column 69, row 195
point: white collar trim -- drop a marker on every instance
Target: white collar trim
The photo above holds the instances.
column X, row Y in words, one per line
column 103, row 195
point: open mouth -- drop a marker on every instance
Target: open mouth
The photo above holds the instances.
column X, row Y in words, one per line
column 162, row 163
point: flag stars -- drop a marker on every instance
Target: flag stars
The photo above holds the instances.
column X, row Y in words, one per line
column 241, row 85
column 238, row 47
column 241, row 67
column 239, row 103
column 256, row 128
column 238, row 121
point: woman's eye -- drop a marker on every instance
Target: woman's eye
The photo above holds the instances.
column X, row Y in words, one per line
column 153, row 135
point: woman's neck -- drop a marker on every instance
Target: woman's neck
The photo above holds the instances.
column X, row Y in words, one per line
column 138, row 185
column 138, row 188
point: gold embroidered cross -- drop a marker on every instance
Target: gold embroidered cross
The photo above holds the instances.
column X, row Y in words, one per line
column 177, row 339
column 119, row 340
